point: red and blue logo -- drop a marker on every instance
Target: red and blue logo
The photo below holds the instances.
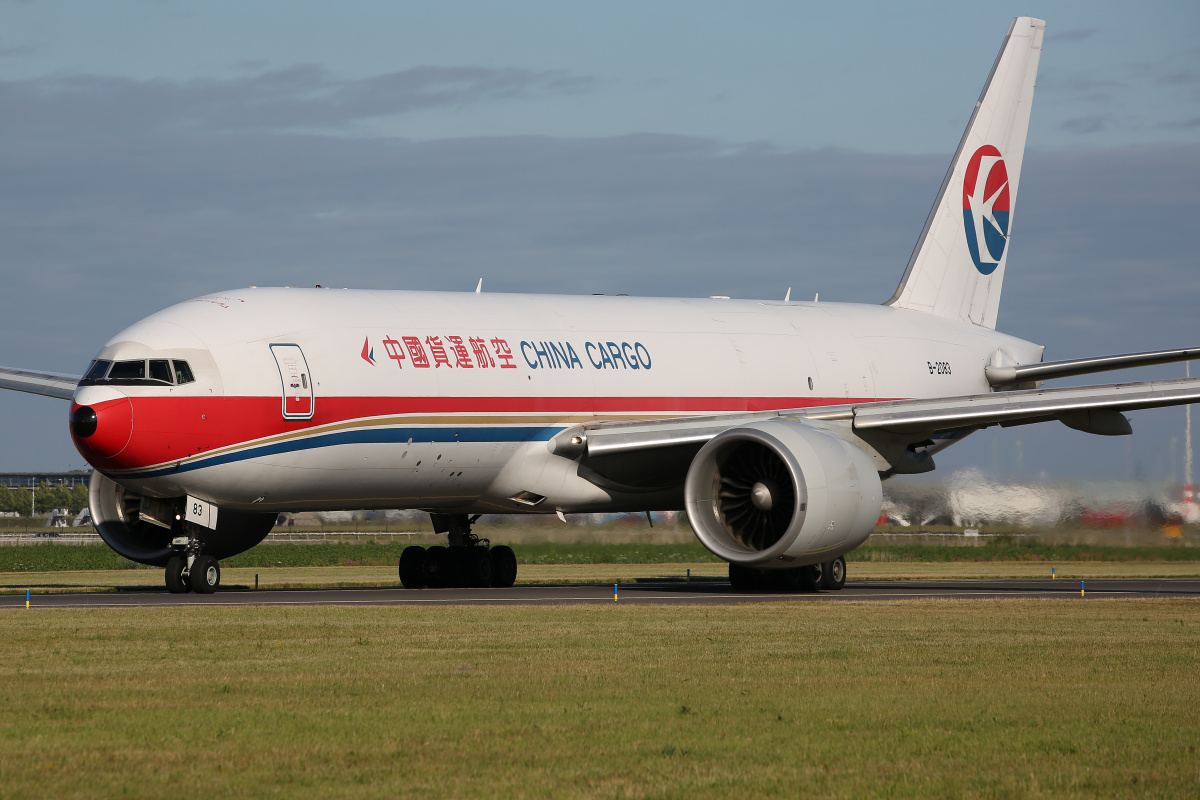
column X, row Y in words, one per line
column 368, row 352
column 986, row 208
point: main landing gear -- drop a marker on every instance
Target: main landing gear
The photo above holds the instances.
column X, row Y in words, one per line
column 830, row 575
column 188, row 570
column 468, row 561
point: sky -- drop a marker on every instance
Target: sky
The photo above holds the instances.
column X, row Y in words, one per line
column 155, row 151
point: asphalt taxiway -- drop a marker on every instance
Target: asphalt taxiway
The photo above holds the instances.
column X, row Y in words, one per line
column 642, row 592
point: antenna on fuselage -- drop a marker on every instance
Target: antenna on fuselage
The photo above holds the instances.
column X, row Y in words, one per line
column 787, row 298
column 479, row 286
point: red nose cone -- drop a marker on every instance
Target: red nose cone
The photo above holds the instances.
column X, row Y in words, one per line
column 103, row 429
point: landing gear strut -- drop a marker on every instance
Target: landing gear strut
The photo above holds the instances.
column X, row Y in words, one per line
column 190, row 570
column 830, row 575
column 468, row 561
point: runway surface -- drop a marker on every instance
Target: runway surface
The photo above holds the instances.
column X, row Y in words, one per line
column 642, row 592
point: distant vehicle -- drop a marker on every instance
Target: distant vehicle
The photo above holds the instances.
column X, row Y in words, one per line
column 772, row 423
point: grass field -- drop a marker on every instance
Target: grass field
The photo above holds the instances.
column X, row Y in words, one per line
column 46, row 557
column 313, row 577
column 1019, row 698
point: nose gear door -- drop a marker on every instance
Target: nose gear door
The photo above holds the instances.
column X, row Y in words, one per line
column 297, row 381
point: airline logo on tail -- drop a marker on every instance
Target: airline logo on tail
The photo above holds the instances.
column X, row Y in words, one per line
column 986, row 208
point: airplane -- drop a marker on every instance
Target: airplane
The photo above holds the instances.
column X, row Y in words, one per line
column 772, row 423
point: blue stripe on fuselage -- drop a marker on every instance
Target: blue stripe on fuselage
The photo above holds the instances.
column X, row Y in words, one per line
column 366, row 436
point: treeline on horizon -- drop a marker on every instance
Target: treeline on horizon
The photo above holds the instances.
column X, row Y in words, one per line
column 48, row 497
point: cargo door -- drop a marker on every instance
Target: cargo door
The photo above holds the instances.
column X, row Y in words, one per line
column 297, row 382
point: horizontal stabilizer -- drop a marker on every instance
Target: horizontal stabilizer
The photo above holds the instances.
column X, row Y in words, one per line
column 1002, row 376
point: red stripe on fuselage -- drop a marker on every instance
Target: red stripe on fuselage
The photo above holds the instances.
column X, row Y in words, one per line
column 167, row 429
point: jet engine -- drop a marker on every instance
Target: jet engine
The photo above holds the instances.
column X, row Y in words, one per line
column 781, row 494
column 117, row 514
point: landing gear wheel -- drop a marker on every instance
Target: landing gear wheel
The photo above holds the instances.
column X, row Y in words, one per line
column 205, row 575
column 437, row 567
column 504, row 566
column 810, row 578
column 176, row 582
column 741, row 578
column 457, row 570
column 788, row 580
column 412, row 567
column 479, row 567
column 833, row 574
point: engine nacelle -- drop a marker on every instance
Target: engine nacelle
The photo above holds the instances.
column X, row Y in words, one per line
column 116, row 513
column 781, row 494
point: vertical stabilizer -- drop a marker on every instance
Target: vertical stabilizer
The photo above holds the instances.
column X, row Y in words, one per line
column 957, row 268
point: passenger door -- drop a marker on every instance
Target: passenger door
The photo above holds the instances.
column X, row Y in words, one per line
column 298, row 399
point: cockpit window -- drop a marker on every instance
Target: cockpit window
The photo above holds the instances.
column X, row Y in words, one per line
column 97, row 370
column 183, row 373
column 126, row 370
column 135, row 373
column 160, row 370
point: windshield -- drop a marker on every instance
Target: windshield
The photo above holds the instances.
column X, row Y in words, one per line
column 152, row 372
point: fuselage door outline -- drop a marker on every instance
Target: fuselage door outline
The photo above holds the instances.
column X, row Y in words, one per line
column 296, row 381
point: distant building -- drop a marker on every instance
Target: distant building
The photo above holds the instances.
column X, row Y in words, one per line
column 30, row 480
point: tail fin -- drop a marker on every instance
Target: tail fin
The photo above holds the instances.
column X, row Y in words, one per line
column 957, row 268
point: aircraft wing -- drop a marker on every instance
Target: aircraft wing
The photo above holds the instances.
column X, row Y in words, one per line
column 47, row 383
column 1023, row 407
column 1095, row 409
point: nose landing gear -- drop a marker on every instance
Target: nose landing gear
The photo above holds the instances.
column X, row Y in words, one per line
column 189, row 570
column 469, row 561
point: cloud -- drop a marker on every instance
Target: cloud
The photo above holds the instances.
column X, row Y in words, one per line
column 124, row 197
column 1078, row 88
column 1072, row 35
column 302, row 96
column 1183, row 124
column 1180, row 77
column 1091, row 123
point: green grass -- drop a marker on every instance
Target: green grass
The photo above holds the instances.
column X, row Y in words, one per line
column 1006, row 551
column 1046, row 698
column 388, row 553
column 385, row 576
column 49, row 557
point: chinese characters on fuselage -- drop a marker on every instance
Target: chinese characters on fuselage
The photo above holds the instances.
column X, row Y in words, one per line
column 471, row 352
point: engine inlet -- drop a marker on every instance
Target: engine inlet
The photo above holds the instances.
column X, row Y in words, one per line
column 755, row 497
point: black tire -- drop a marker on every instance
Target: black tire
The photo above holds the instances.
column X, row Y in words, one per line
column 480, row 566
column 743, row 579
column 810, row 578
column 176, row 582
column 205, row 575
column 504, row 566
column 788, row 580
column 412, row 567
column 833, row 574
column 458, row 566
column 436, row 568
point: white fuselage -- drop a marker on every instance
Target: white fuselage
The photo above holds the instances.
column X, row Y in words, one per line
column 329, row 399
